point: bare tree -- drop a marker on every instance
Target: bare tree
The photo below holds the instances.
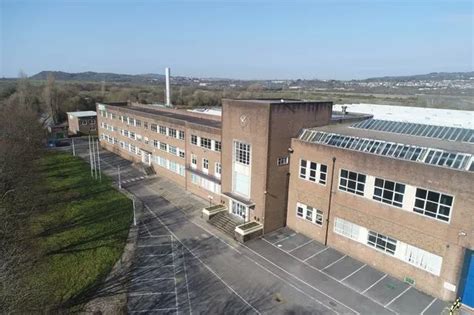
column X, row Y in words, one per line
column 49, row 97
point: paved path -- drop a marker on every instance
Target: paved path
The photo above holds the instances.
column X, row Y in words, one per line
column 183, row 265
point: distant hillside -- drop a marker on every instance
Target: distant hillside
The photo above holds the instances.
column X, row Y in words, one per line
column 435, row 76
column 99, row 76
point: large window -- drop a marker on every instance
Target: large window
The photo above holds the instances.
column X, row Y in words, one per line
column 193, row 160
column 389, row 192
column 218, row 169
column 205, row 164
column 346, row 228
column 154, row 127
column 423, row 259
column 352, row 182
column 156, row 143
column 217, row 146
column 194, row 139
column 433, row 204
column 163, row 130
column 242, row 152
column 309, row 213
column 181, row 135
column 206, row 143
column 173, row 150
column 163, row 146
column 313, row 171
column 172, row 132
column 382, row 242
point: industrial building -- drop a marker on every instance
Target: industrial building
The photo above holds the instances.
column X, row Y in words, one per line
column 82, row 123
column 396, row 195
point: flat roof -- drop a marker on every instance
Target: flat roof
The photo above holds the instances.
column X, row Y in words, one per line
column 177, row 114
column 87, row 113
column 421, row 115
column 275, row 101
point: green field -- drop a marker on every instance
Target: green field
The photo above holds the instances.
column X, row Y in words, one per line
column 79, row 236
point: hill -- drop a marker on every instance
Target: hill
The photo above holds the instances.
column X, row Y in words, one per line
column 99, row 76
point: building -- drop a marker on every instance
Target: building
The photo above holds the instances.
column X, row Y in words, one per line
column 395, row 195
column 82, row 123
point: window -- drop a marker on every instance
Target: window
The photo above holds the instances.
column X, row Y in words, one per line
column 205, row 164
column 173, row 150
column 218, row 169
column 299, row 211
column 194, row 139
column 423, row 259
column 181, row 154
column 84, row 122
column 282, row 161
column 206, row 143
column 163, row 130
column 156, row 143
column 313, row 171
column 389, row 192
column 242, row 152
column 218, row 146
column 154, row 127
column 163, row 146
column 145, row 125
column 132, row 135
column 433, row 204
column 181, row 135
column 138, row 123
column 352, row 182
column 172, row 132
column 193, row 160
column 309, row 213
column 346, row 228
column 382, row 242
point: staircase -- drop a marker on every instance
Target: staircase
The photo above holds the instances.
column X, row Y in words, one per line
column 148, row 170
column 225, row 222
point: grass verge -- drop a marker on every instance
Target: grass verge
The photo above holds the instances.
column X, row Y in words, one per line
column 80, row 234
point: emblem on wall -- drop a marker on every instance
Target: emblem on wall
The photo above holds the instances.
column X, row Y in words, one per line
column 244, row 120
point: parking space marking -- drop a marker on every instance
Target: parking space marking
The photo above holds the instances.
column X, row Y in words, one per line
column 135, row 279
column 427, row 307
column 373, row 284
column 144, row 224
column 154, row 255
column 300, row 246
column 333, row 278
column 175, row 282
column 395, row 298
column 154, row 310
column 283, row 238
column 334, row 262
column 202, row 262
column 186, row 279
column 152, row 245
column 317, row 253
column 360, row 268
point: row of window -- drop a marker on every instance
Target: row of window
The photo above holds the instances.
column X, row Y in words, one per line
column 205, row 183
column 428, row 203
column 309, row 213
column 171, row 149
column 205, row 166
column 313, row 171
column 388, row 245
column 167, row 131
column 206, row 143
column 169, row 165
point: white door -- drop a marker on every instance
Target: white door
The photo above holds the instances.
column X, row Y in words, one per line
column 146, row 158
column 239, row 210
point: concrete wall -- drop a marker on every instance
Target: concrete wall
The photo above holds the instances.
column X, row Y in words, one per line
column 435, row 236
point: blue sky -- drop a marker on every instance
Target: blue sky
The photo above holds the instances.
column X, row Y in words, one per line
column 258, row 39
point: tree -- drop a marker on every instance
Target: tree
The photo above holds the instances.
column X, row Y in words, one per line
column 49, row 97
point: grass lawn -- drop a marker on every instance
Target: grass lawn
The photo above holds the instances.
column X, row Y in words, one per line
column 79, row 236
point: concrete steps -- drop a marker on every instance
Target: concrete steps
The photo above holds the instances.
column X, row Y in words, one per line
column 225, row 222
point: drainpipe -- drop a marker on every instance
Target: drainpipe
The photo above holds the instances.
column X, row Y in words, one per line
column 330, row 199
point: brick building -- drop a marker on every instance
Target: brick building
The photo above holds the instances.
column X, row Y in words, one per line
column 397, row 196
column 82, row 123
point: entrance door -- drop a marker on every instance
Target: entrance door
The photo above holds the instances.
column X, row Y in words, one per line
column 146, row 158
column 467, row 280
column 239, row 209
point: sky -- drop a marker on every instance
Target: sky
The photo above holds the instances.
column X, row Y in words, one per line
column 259, row 39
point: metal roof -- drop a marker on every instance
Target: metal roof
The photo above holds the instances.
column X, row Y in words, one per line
column 87, row 113
column 411, row 114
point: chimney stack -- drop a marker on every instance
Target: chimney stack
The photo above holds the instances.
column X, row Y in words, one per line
column 168, row 96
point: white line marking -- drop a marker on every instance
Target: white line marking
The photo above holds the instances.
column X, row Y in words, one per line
column 156, row 236
column 151, row 279
column 290, row 284
column 333, row 278
column 154, row 310
column 174, row 272
column 429, row 305
column 291, row 235
column 300, row 246
column 149, row 293
column 202, row 262
column 186, row 279
column 352, row 273
column 309, row 285
column 158, row 245
column 316, row 254
column 154, row 255
column 334, row 262
column 373, row 284
column 395, row 298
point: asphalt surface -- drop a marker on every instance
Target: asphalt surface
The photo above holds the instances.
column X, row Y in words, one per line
column 183, row 265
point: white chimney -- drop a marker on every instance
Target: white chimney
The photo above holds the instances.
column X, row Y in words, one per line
column 168, row 96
